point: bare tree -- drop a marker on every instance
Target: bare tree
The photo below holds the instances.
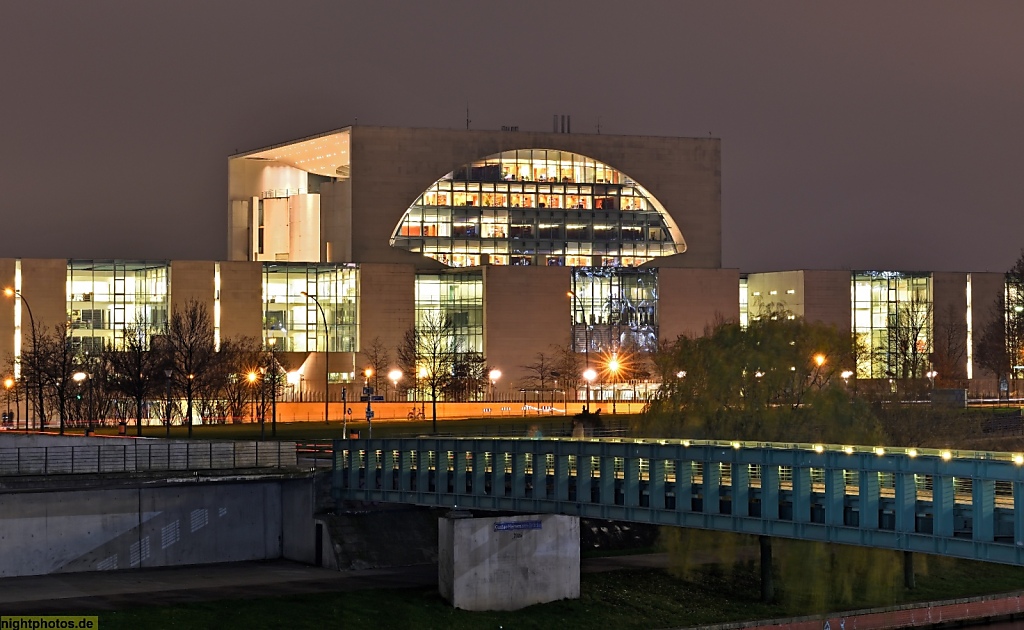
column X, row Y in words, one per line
column 910, row 333
column 469, row 377
column 134, row 369
column 377, row 358
column 408, row 359
column 540, row 373
column 57, row 361
column 191, row 353
column 567, row 365
column 436, row 350
column 240, row 358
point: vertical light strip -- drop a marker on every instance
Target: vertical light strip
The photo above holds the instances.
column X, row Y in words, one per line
column 17, row 319
column 970, row 332
column 216, row 306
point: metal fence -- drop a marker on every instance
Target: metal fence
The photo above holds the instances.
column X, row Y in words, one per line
column 144, row 457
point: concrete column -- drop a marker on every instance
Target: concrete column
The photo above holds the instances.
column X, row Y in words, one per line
column 868, row 500
column 740, row 489
column 423, row 471
column 631, row 482
column 656, row 485
column 835, row 492
column 480, row 473
column 942, row 506
column 905, row 502
column 387, row 477
column 909, row 581
column 561, row 477
column 370, row 480
column 1018, row 513
column 711, row 488
column 607, row 482
column 405, row 468
column 355, row 465
column 767, row 582
column 983, row 496
column 584, row 479
column 801, row 495
column 518, row 475
column 461, row 466
column 684, row 485
column 770, row 492
column 540, row 475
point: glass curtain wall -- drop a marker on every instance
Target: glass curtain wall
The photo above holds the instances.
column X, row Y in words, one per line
column 292, row 323
column 105, row 296
column 892, row 322
column 614, row 308
column 458, row 295
column 536, row 207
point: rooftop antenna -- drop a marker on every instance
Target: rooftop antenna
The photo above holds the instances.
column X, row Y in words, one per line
column 467, row 116
column 598, row 125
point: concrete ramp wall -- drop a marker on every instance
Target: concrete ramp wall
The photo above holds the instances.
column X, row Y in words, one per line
column 62, row 531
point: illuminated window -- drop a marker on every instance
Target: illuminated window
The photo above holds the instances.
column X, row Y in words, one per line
column 107, row 297
column 293, row 323
column 614, row 308
column 538, row 207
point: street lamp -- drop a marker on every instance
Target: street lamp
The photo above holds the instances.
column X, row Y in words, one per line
column 252, row 377
column 8, row 384
column 614, row 367
column 589, row 375
column 327, row 358
column 819, row 359
column 422, row 374
column 931, row 374
column 846, row 374
column 79, row 378
column 367, row 373
column 586, row 341
column 167, row 408
column 395, row 375
column 494, row 375
column 9, row 292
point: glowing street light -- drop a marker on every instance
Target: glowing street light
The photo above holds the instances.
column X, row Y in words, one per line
column 586, row 342
column 613, row 368
column 931, row 374
column 395, row 376
column 9, row 292
column 327, row 359
column 819, row 359
column 8, row 384
column 494, row 375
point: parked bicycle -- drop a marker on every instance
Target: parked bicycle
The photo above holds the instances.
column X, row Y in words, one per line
column 415, row 414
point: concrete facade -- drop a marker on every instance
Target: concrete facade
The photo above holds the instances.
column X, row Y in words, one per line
column 508, row 562
column 135, row 526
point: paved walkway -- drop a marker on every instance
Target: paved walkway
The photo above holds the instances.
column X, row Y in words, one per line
column 113, row 590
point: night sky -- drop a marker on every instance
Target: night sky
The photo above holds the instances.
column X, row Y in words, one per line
column 866, row 135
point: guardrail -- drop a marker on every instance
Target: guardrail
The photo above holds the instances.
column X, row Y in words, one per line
column 145, row 457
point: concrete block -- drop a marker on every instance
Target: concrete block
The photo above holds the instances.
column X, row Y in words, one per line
column 508, row 562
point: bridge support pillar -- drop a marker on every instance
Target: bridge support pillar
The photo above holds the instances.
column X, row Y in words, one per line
column 767, row 583
column 909, row 581
column 508, row 562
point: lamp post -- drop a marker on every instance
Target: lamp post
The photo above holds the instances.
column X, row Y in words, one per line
column 395, row 376
column 613, row 367
column 327, row 357
column 167, row 408
column 586, row 342
column 42, row 416
column 589, row 375
column 494, row 375
column 422, row 373
column 931, row 374
column 81, row 377
column 8, row 384
column 367, row 373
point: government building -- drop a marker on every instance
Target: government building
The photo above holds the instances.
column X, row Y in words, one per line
column 527, row 242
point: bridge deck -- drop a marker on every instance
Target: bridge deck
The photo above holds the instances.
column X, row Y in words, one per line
column 963, row 504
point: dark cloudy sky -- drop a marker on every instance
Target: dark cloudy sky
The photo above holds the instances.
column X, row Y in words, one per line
column 855, row 135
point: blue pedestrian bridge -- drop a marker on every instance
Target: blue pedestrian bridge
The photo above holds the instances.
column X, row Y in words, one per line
column 967, row 504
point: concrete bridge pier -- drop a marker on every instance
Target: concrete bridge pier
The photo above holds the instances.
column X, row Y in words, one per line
column 767, row 583
column 909, row 580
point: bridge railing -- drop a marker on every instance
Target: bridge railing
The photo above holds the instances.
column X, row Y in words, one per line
column 960, row 503
column 144, row 456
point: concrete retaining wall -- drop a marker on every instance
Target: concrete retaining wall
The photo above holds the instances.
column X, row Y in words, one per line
column 509, row 562
column 62, row 531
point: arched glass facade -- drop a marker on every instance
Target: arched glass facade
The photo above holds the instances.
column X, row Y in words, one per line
column 538, row 207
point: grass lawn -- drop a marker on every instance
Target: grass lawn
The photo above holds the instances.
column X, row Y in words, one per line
column 618, row 599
